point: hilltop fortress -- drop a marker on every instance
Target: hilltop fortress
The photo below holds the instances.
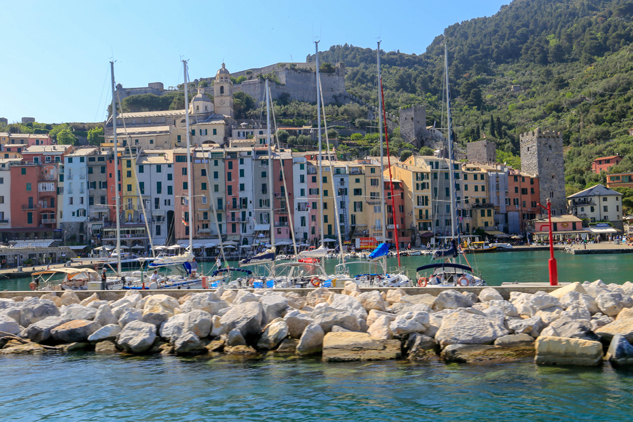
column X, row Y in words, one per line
column 298, row 80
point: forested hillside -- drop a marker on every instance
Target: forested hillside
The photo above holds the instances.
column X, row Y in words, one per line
column 569, row 61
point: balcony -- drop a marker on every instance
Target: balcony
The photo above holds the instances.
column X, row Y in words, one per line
column 49, row 220
column 390, row 226
column 312, row 170
column 204, row 230
column 4, row 222
column 29, row 207
column 281, row 224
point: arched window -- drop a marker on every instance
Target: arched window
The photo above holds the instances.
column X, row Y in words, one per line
column 221, row 90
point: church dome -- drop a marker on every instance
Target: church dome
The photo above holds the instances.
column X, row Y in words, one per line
column 201, row 97
column 223, row 70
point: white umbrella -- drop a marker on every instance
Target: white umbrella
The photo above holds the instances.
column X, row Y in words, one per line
column 125, row 247
column 268, row 245
column 245, row 246
column 229, row 247
column 159, row 248
column 210, row 245
column 261, row 235
column 174, row 247
column 329, row 240
column 138, row 247
column 197, row 245
column 230, row 242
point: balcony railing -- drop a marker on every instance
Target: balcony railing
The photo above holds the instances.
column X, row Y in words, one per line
column 4, row 222
column 29, row 207
column 281, row 224
column 204, row 230
column 49, row 220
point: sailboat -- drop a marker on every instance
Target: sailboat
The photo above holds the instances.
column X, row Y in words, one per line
column 186, row 258
column 449, row 272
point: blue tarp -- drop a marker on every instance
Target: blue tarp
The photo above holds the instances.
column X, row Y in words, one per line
column 381, row 250
column 260, row 258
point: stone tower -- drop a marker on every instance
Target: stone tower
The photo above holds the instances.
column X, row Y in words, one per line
column 413, row 124
column 481, row 152
column 223, row 92
column 542, row 155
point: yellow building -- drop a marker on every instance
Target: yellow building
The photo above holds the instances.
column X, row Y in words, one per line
column 357, row 206
column 372, row 198
column 130, row 200
column 417, row 194
column 475, row 190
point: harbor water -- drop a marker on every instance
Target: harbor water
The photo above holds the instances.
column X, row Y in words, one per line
column 80, row 387
column 495, row 268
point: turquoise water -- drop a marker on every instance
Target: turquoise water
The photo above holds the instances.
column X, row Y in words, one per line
column 88, row 387
column 529, row 266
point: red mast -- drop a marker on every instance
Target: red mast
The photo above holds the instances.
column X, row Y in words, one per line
column 393, row 201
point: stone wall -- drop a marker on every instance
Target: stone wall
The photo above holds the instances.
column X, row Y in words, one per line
column 481, row 152
column 413, row 124
column 542, row 155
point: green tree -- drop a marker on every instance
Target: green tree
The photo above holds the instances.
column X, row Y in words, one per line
column 327, row 68
column 304, row 140
column 283, row 136
column 356, row 137
column 95, row 136
column 332, row 134
column 492, row 127
column 292, row 140
column 404, row 154
column 66, row 137
column 242, row 104
column 426, row 151
column 55, row 131
column 284, row 99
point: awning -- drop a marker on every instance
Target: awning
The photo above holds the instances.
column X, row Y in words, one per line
column 601, row 230
column 262, row 227
column 283, row 243
column 78, row 247
column 493, row 232
column 427, row 234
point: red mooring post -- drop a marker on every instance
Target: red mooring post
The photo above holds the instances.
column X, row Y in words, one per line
column 553, row 270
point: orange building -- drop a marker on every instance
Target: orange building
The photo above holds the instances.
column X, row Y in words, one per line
column 605, row 163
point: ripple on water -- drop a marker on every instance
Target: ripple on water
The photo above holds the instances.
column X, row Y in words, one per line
column 88, row 387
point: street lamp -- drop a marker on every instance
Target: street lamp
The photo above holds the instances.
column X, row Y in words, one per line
column 553, row 270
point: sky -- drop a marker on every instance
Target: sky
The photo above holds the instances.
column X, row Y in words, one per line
column 57, row 53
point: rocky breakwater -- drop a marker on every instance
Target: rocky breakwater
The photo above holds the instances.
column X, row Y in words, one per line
column 574, row 325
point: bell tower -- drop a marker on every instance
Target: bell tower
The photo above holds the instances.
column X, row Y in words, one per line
column 223, row 92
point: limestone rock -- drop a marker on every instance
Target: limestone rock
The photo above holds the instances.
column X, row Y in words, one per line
column 107, row 332
column 104, row 316
column 549, row 315
column 137, row 336
column 53, row 298
column 471, row 296
column 311, row 340
column 87, row 301
column 198, row 322
column 207, row 302
column 215, row 345
column 380, row 328
column 36, row 310
column 612, row 303
column 74, row 331
column 620, row 351
column 374, row 315
column 451, row 299
column 372, row 300
column 496, row 313
column 156, row 318
column 273, row 306
column 412, row 307
column 295, row 300
column 9, row 325
column 229, row 296
column 342, row 319
column 576, row 312
column 189, row 344
column 395, row 296
column 570, row 328
column 542, row 300
column 626, row 313
column 466, row 328
column 596, row 288
column 349, row 304
column 130, row 315
column 297, row 322
column 244, row 296
column 246, row 317
column 515, row 340
column 627, row 288
column 161, row 303
column 337, row 329
column 69, row 297
column 351, row 288
column 345, row 347
column 599, row 320
column 273, row 335
column 216, row 326
column 581, row 300
column 480, row 353
column 74, row 347
column 96, row 304
column 287, row 346
column 106, row 347
column 235, row 338
column 18, row 348
column 40, row 331
column 573, row 287
column 531, row 326
column 410, row 322
column 240, row 351
column 488, row 294
column 76, row 311
column 621, row 326
column 508, row 308
column 421, row 347
column 568, row 351
column 173, row 327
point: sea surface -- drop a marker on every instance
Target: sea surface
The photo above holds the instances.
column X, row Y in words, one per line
column 495, row 268
column 88, row 387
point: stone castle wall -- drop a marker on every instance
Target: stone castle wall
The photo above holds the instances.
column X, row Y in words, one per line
column 481, row 152
column 413, row 124
column 542, row 155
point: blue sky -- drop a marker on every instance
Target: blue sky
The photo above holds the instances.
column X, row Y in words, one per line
column 57, row 53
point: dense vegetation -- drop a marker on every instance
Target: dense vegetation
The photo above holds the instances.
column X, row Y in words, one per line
column 570, row 61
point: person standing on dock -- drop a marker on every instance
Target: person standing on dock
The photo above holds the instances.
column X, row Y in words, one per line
column 104, row 280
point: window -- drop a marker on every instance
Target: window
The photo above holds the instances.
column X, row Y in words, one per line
column 203, row 186
column 23, row 170
column 170, row 190
column 203, row 172
column 242, row 187
column 141, row 186
column 128, row 163
column 129, row 188
column 185, row 186
column 28, row 187
column 170, row 176
column 241, row 173
column 230, row 165
column 605, row 208
column 159, row 169
column 103, row 169
column 159, row 188
column 184, row 171
column 29, row 217
column 215, row 175
column 141, row 169
column 229, row 176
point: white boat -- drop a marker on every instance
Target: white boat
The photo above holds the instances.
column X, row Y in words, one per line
column 64, row 279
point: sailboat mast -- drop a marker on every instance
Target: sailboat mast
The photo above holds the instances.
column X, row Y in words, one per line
column 318, row 79
column 450, row 144
column 382, row 167
column 270, row 171
column 116, row 176
column 189, row 184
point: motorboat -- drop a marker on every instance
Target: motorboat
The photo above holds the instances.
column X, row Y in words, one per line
column 64, row 279
column 480, row 247
column 447, row 274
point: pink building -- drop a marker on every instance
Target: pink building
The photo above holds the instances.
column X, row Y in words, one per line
column 283, row 211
